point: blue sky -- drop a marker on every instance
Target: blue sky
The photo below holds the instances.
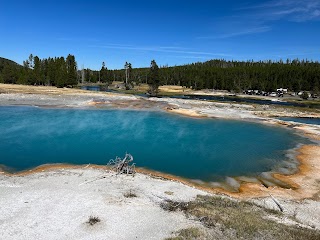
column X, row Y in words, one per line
column 171, row 32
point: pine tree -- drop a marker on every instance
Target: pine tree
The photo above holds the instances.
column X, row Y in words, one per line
column 60, row 72
column 153, row 79
column 37, row 70
column 104, row 74
column 71, row 70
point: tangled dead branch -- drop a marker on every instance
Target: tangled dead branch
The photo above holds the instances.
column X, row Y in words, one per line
column 123, row 166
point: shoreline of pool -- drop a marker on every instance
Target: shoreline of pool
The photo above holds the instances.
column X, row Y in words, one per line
column 308, row 155
column 304, row 181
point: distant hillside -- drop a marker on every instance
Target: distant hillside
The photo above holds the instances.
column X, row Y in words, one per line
column 4, row 61
column 9, row 71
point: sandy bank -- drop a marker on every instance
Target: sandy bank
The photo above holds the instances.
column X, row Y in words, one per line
column 56, row 204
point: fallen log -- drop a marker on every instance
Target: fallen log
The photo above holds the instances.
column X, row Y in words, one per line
column 276, row 202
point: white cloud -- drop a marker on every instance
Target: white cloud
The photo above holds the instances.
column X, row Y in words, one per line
column 239, row 33
column 159, row 49
column 256, row 19
column 291, row 10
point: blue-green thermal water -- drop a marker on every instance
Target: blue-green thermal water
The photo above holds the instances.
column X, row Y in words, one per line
column 315, row 121
column 204, row 149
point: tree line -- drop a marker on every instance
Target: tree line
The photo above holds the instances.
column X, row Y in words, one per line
column 58, row 71
column 296, row 75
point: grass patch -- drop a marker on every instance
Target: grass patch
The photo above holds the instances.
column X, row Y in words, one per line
column 239, row 219
column 132, row 91
column 169, row 94
column 93, row 220
column 130, row 194
column 172, row 206
column 168, row 192
column 188, row 234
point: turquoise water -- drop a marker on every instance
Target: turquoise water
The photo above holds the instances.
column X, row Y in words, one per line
column 204, row 149
column 315, row 121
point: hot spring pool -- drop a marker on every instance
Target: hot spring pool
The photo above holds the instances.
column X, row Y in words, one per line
column 204, row 149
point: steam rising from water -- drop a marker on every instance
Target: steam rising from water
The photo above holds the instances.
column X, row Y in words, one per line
column 203, row 149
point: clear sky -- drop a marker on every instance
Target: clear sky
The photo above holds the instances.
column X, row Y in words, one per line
column 171, row 32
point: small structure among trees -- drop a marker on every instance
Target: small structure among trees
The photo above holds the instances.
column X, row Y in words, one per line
column 123, row 166
column 305, row 95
